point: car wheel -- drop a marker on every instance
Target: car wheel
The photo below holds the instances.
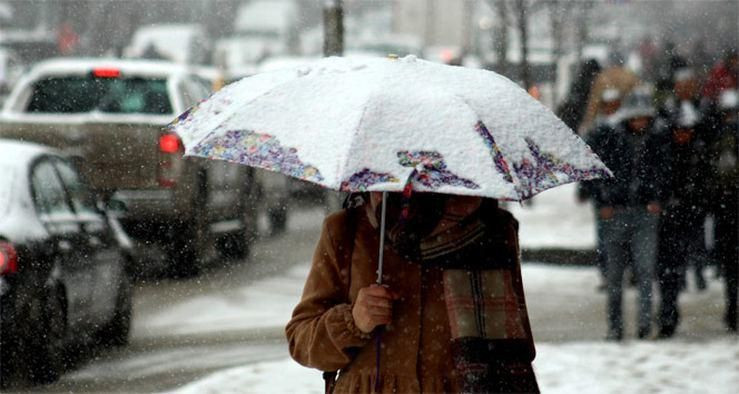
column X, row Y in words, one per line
column 236, row 245
column 278, row 219
column 186, row 250
column 47, row 348
column 10, row 349
column 115, row 333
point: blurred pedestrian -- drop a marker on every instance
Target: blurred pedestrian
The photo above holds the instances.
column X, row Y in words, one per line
column 671, row 61
column 682, row 231
column 629, row 204
column 441, row 333
column 689, row 122
column 615, row 76
column 604, row 124
column 725, row 197
column 572, row 110
column 723, row 76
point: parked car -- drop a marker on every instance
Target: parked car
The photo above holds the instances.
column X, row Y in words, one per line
column 63, row 265
column 111, row 115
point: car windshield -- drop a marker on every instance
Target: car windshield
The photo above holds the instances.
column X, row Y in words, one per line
column 79, row 94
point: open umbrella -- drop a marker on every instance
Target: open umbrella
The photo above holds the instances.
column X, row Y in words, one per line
column 384, row 124
column 377, row 124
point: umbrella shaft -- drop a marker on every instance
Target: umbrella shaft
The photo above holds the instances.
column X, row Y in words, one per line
column 382, row 238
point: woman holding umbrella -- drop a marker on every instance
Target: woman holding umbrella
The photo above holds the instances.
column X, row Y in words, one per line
column 429, row 149
column 453, row 308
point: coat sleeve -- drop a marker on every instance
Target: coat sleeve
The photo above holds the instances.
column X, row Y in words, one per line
column 597, row 189
column 322, row 333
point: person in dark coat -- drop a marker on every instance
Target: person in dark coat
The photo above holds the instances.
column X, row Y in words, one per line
column 725, row 197
column 682, row 232
column 629, row 203
column 690, row 121
column 604, row 123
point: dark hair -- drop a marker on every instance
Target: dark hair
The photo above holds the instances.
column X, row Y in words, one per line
column 425, row 211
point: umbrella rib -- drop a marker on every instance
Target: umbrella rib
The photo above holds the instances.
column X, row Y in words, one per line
column 356, row 134
column 234, row 111
column 479, row 118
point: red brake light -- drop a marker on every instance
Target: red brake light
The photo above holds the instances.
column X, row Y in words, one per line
column 106, row 73
column 169, row 143
column 8, row 259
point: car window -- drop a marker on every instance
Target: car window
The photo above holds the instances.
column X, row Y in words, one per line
column 80, row 196
column 79, row 94
column 48, row 192
column 193, row 91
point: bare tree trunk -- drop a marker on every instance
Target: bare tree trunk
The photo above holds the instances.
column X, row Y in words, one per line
column 333, row 28
column 523, row 29
column 558, row 14
column 500, row 38
column 583, row 17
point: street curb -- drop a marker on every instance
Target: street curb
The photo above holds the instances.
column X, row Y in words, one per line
column 557, row 256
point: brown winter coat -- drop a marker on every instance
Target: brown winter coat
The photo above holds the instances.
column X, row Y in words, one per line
column 416, row 356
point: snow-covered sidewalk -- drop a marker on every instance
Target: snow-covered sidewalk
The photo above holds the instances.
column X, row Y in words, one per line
column 686, row 364
column 633, row 367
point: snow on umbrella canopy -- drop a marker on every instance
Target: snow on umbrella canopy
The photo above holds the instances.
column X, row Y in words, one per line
column 376, row 124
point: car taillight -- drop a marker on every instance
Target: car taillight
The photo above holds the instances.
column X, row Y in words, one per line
column 170, row 159
column 8, row 259
column 169, row 143
column 106, row 72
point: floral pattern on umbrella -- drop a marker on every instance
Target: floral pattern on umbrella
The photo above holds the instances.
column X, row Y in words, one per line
column 500, row 163
column 546, row 170
column 257, row 150
column 361, row 180
column 430, row 170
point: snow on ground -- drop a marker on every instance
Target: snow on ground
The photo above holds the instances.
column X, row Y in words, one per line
column 265, row 304
column 553, row 219
column 681, row 365
column 632, row 367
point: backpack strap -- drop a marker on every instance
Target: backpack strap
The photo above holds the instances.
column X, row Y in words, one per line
column 345, row 241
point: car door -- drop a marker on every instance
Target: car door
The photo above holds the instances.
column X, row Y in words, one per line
column 104, row 260
column 56, row 214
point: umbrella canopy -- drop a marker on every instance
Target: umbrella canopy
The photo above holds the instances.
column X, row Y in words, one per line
column 379, row 124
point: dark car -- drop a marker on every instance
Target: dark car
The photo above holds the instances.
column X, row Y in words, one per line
column 63, row 265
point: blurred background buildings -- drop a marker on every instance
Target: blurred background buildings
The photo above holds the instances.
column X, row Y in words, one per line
column 536, row 42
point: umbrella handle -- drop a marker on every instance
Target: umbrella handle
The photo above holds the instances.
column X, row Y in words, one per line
column 379, row 330
column 382, row 238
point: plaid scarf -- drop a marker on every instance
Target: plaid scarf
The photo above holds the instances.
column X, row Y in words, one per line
column 492, row 350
